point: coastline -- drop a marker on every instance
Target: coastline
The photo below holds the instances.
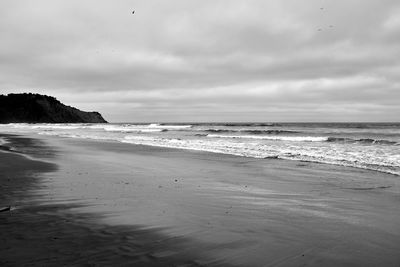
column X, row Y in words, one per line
column 234, row 210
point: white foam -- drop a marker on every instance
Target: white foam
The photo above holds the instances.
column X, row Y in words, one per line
column 80, row 136
column 3, row 141
column 171, row 127
column 309, row 148
column 56, row 127
column 143, row 128
column 370, row 158
column 276, row 138
column 125, row 129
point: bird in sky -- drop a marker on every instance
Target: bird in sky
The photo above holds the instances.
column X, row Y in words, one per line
column 133, row 12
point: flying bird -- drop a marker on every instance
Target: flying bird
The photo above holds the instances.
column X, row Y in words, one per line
column 133, row 12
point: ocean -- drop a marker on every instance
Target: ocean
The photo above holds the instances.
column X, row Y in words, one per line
column 372, row 146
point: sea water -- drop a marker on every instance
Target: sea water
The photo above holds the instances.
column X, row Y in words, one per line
column 373, row 146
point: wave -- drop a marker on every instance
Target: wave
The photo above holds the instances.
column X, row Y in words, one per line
column 369, row 153
column 3, row 141
column 384, row 159
column 366, row 141
column 362, row 141
column 138, row 127
column 130, row 129
column 169, row 126
column 122, row 128
column 56, row 127
column 250, row 124
column 363, row 159
column 276, row 138
column 270, row 132
column 219, row 131
column 251, row 131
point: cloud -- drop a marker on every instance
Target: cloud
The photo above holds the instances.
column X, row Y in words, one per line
column 219, row 60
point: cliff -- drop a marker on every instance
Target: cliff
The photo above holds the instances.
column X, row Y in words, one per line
column 35, row 108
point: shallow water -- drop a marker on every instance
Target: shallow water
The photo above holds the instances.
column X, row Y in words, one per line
column 373, row 146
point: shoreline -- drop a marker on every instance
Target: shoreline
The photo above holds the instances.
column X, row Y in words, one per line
column 234, row 210
column 370, row 147
column 297, row 162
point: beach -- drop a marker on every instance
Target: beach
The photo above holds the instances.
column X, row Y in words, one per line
column 101, row 203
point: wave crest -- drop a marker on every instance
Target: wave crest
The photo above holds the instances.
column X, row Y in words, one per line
column 276, row 138
column 362, row 141
column 256, row 132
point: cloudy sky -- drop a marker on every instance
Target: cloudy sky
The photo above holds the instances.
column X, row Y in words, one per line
column 219, row 60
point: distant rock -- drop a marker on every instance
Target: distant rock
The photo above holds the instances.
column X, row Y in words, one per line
column 36, row 108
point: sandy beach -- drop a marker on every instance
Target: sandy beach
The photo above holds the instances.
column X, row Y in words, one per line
column 99, row 203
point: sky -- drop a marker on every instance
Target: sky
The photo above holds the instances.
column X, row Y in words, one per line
column 207, row 61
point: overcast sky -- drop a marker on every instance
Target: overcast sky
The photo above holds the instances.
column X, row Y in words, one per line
column 275, row 60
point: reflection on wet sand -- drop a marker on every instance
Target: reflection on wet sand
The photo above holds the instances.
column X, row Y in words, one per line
column 107, row 203
column 38, row 233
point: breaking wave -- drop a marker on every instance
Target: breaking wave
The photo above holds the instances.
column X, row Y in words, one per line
column 251, row 131
column 366, row 141
column 362, row 141
column 370, row 159
column 277, row 138
column 378, row 151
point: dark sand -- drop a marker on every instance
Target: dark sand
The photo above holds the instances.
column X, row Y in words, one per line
column 38, row 231
column 80, row 202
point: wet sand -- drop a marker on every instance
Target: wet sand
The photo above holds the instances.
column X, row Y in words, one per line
column 104, row 203
column 40, row 230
